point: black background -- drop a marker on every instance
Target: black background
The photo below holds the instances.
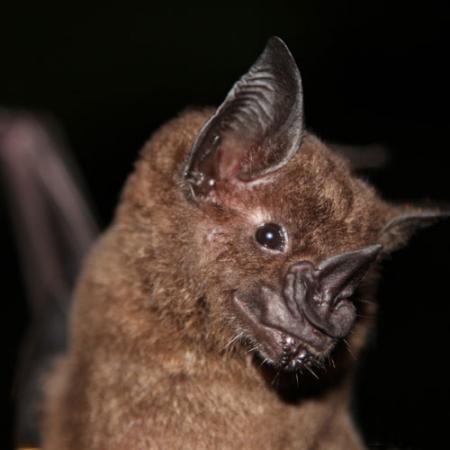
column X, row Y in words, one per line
column 373, row 71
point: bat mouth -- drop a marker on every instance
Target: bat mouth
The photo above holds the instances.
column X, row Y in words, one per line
column 311, row 309
column 276, row 344
column 296, row 355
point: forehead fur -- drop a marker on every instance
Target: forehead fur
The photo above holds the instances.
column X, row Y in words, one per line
column 314, row 193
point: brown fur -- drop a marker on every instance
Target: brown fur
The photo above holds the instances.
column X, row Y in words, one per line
column 152, row 361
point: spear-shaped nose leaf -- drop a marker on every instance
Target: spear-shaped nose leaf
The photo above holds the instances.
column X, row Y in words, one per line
column 322, row 294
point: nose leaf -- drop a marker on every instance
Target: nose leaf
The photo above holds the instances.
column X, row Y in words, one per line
column 340, row 275
column 322, row 294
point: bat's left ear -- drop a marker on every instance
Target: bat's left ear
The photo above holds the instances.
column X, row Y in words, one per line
column 256, row 130
column 402, row 226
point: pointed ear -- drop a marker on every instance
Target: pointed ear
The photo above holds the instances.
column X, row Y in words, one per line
column 402, row 226
column 256, row 130
column 340, row 275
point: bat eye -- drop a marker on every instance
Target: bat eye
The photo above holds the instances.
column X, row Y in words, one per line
column 271, row 236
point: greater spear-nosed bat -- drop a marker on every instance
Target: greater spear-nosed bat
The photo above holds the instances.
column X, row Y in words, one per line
column 240, row 265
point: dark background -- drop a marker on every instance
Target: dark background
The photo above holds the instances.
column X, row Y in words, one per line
column 373, row 72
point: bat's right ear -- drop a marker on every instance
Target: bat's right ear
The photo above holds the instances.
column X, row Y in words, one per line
column 402, row 226
column 256, row 130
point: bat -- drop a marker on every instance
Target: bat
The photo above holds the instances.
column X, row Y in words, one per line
column 223, row 305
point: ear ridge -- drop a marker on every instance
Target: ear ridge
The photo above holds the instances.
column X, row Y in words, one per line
column 274, row 66
column 257, row 129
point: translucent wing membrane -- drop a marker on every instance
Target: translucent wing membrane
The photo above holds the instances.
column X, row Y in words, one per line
column 54, row 227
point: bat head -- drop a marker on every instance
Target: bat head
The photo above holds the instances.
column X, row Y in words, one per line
column 260, row 236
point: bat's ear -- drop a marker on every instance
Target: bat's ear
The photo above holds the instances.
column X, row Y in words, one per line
column 256, row 130
column 402, row 226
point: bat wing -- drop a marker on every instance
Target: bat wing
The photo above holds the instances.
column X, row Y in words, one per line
column 54, row 227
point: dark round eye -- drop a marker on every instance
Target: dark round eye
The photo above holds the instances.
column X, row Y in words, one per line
column 271, row 236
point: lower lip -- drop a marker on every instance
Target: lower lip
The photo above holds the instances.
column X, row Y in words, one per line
column 294, row 354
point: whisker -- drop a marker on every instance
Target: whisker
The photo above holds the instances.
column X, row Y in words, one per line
column 347, row 346
column 365, row 316
column 263, row 362
column 232, row 341
column 368, row 302
column 311, row 372
column 255, row 347
column 275, row 378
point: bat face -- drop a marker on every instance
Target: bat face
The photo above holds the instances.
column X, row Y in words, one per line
column 298, row 233
column 258, row 235
column 286, row 255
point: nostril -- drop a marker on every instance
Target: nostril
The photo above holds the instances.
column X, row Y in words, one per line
column 301, row 267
